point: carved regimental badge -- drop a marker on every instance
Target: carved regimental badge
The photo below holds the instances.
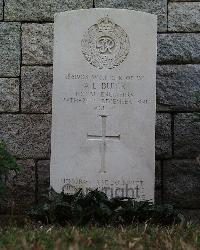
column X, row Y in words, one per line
column 105, row 44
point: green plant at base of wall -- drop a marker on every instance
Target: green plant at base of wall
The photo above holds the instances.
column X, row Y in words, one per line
column 95, row 208
column 7, row 163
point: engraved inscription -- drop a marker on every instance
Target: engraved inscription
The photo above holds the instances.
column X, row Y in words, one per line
column 105, row 44
column 133, row 188
column 105, row 90
column 103, row 138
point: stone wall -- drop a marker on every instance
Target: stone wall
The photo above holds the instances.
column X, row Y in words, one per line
column 26, row 41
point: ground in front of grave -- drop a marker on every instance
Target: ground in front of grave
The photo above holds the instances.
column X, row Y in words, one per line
column 135, row 237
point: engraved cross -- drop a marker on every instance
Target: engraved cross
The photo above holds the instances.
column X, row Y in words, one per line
column 103, row 138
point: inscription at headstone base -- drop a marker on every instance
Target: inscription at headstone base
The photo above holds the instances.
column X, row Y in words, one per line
column 103, row 121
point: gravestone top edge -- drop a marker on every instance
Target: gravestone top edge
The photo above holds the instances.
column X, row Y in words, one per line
column 101, row 9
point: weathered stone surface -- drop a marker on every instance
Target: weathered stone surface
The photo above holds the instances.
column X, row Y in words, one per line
column 36, row 86
column 179, row 48
column 1, row 9
column 181, row 183
column 184, row 17
column 158, row 175
column 163, row 136
column 158, row 7
column 9, row 94
column 177, row 86
column 9, row 49
column 186, row 136
column 39, row 10
column 21, row 188
column 26, row 136
column 37, row 43
column 43, row 176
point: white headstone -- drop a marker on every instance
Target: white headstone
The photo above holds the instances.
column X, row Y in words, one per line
column 103, row 131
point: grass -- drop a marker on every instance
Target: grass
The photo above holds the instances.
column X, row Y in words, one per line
column 139, row 237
